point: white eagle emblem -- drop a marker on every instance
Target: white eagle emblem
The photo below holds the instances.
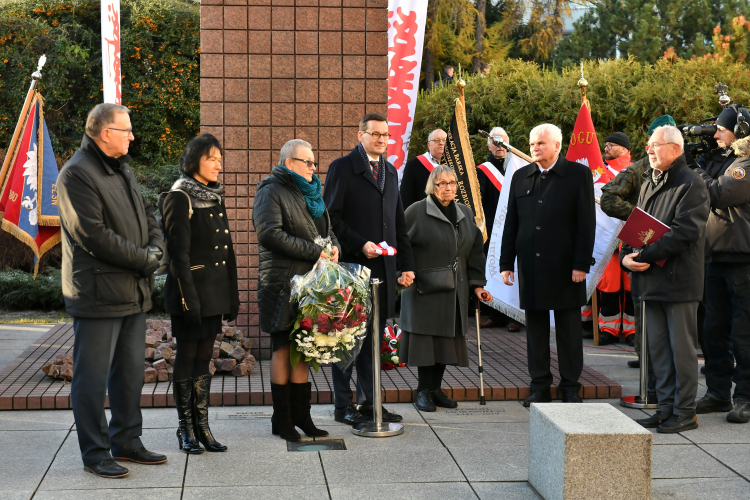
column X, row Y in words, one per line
column 30, row 173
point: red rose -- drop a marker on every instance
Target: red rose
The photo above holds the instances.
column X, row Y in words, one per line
column 306, row 324
column 324, row 323
column 357, row 308
column 338, row 326
column 387, row 366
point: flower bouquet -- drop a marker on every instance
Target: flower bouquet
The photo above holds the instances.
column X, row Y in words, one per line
column 333, row 303
column 389, row 348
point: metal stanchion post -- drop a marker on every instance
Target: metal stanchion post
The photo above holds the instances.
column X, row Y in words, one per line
column 377, row 428
column 482, row 401
column 642, row 401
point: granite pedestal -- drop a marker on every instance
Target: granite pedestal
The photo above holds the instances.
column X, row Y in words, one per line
column 588, row 451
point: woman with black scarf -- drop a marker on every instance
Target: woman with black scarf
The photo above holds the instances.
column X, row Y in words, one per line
column 201, row 287
column 447, row 247
column 289, row 216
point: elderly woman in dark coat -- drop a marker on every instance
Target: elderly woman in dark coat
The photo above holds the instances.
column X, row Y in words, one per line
column 288, row 215
column 450, row 264
column 201, row 287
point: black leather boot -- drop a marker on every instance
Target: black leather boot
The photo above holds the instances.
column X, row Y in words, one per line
column 183, row 400
column 201, row 390
column 281, row 420
column 300, row 395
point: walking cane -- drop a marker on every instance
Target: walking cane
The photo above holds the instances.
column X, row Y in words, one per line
column 479, row 353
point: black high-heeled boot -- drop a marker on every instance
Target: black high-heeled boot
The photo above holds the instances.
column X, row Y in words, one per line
column 201, row 390
column 183, row 400
column 300, row 398
column 281, row 421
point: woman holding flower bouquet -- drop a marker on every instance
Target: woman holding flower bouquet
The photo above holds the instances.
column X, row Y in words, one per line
column 288, row 215
column 450, row 264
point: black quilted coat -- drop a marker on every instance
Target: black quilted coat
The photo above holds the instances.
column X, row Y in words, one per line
column 286, row 233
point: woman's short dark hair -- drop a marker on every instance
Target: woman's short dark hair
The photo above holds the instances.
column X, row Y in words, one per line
column 197, row 148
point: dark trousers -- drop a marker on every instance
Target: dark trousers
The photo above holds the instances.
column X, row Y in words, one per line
column 342, row 393
column 569, row 348
column 726, row 334
column 108, row 353
column 672, row 331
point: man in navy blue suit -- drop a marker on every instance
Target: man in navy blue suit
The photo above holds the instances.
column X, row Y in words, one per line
column 361, row 193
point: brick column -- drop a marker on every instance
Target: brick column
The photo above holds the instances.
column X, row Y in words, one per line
column 275, row 70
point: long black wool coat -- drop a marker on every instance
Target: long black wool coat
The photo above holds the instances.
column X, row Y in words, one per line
column 550, row 227
column 361, row 213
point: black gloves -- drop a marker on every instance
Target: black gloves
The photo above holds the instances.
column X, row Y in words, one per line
column 192, row 316
column 152, row 261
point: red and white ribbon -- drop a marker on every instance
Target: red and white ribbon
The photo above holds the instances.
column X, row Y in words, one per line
column 383, row 248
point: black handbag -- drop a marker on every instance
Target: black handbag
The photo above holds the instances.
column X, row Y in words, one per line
column 436, row 279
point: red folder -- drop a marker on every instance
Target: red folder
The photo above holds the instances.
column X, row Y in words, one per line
column 642, row 229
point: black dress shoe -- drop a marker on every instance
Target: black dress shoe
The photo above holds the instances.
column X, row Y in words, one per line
column 107, row 468
column 607, row 338
column 653, row 421
column 740, row 414
column 349, row 415
column 710, row 404
column 677, row 423
column 424, row 401
column 571, row 397
column 143, row 456
column 634, row 363
column 538, row 397
column 442, row 400
column 366, row 410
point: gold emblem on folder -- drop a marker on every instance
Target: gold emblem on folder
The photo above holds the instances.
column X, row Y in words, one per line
column 644, row 236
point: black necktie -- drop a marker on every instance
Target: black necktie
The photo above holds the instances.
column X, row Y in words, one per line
column 374, row 166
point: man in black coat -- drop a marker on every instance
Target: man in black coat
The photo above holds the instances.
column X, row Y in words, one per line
column 111, row 246
column 417, row 170
column 361, row 194
column 550, row 228
column 676, row 196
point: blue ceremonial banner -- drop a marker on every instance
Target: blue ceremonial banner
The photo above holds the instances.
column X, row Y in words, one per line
column 28, row 196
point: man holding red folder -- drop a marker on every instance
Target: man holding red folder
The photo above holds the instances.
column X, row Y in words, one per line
column 676, row 196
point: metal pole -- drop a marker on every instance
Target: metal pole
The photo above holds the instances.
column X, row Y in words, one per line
column 377, row 428
column 482, row 401
column 641, row 402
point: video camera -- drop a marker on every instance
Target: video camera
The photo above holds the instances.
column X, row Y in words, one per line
column 704, row 133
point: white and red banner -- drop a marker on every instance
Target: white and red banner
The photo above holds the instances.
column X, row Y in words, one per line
column 111, row 51
column 493, row 174
column 406, row 23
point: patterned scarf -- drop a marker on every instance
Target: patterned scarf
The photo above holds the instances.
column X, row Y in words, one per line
column 381, row 166
column 211, row 192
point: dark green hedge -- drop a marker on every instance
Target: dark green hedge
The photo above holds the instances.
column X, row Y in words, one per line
column 625, row 95
column 160, row 70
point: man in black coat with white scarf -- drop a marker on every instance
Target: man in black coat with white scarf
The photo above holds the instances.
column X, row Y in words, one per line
column 550, row 227
column 362, row 197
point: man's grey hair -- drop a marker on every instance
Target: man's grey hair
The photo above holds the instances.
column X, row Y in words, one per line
column 553, row 131
column 101, row 116
column 431, row 188
column 672, row 134
column 432, row 134
column 495, row 132
column 290, row 149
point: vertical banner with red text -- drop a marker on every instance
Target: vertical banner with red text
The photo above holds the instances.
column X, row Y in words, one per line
column 406, row 23
column 111, row 51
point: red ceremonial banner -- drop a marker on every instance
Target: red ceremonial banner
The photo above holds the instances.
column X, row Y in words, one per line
column 584, row 147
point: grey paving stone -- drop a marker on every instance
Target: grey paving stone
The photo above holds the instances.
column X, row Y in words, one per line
column 677, row 461
column 296, row 492
column 402, row 466
column 506, row 491
column 36, row 420
column 736, row 456
column 467, row 412
column 66, row 472
column 404, row 491
column 119, row 494
column 415, row 436
column 700, row 489
column 713, row 428
column 24, row 458
column 250, row 468
column 493, row 463
column 469, row 435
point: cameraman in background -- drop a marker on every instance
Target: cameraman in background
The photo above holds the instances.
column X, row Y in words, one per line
column 726, row 337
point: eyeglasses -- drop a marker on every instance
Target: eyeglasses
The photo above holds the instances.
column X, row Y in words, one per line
column 310, row 164
column 443, row 185
column 656, row 146
column 129, row 131
column 609, row 146
column 439, row 141
column 377, row 135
